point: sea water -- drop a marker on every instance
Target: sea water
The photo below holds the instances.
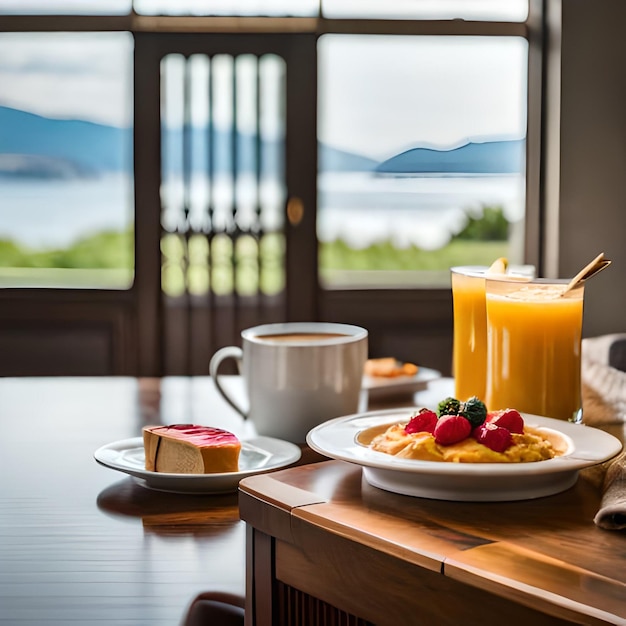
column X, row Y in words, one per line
column 363, row 208
column 360, row 208
column 42, row 214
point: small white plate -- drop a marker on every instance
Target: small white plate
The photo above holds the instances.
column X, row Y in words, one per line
column 381, row 387
column 259, row 454
column 473, row 482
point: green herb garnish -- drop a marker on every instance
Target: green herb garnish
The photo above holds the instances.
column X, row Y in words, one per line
column 474, row 410
column 449, row 406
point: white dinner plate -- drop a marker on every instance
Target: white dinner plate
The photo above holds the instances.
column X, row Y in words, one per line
column 257, row 455
column 463, row 481
column 381, row 387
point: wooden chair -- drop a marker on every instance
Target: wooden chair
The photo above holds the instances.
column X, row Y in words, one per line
column 215, row 608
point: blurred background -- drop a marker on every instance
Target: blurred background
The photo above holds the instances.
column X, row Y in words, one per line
column 174, row 171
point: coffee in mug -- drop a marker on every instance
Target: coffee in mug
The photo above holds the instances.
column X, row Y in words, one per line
column 291, row 337
column 296, row 375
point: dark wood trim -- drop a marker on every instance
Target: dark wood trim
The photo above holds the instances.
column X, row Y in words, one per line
column 48, row 331
column 261, row 591
column 422, row 27
column 65, row 23
column 147, row 164
column 11, row 295
column 535, row 135
column 301, row 176
column 551, row 153
column 407, row 305
column 251, row 25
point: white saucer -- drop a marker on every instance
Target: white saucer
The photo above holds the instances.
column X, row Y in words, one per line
column 380, row 387
column 259, row 454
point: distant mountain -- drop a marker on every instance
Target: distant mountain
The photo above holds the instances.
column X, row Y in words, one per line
column 224, row 147
column 335, row 160
column 35, row 166
column 90, row 147
column 37, row 146
column 490, row 157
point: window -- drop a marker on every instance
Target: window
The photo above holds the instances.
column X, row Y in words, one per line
column 422, row 156
column 69, row 7
column 510, row 10
column 324, row 159
column 223, row 187
column 66, row 160
column 228, row 7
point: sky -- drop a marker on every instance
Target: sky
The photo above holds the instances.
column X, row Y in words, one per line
column 377, row 95
column 101, row 7
column 434, row 91
column 430, row 9
column 220, row 72
column 79, row 75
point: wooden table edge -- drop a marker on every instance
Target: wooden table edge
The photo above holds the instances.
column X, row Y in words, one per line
column 563, row 590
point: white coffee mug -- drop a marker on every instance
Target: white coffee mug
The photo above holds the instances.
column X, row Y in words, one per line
column 296, row 375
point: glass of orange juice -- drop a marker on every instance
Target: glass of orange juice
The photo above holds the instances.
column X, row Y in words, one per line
column 469, row 349
column 534, row 335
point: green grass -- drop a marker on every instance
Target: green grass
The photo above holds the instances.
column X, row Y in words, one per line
column 103, row 250
column 383, row 266
column 105, row 260
column 383, row 256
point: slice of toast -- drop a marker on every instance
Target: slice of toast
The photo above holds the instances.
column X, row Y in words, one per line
column 389, row 367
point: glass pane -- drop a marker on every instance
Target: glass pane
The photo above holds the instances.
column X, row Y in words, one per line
column 65, row 7
column 489, row 10
column 66, row 160
column 422, row 156
column 223, row 190
column 228, row 7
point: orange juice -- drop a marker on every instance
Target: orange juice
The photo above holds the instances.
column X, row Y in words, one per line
column 534, row 339
column 469, row 350
column 469, row 354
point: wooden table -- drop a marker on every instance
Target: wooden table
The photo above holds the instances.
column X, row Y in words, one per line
column 83, row 544
column 324, row 547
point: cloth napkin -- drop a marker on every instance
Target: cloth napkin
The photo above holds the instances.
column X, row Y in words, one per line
column 604, row 406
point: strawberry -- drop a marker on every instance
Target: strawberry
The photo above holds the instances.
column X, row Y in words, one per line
column 451, row 429
column 509, row 419
column 492, row 436
column 423, row 422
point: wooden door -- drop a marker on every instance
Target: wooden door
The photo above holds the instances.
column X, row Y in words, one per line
column 225, row 165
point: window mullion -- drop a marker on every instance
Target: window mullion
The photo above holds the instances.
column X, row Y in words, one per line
column 197, row 24
column 66, row 23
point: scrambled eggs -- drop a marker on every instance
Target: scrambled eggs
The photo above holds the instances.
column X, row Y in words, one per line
column 532, row 445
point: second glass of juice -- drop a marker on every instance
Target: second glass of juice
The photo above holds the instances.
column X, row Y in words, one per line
column 469, row 350
column 534, row 337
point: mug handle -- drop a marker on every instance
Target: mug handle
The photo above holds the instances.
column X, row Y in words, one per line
column 229, row 352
